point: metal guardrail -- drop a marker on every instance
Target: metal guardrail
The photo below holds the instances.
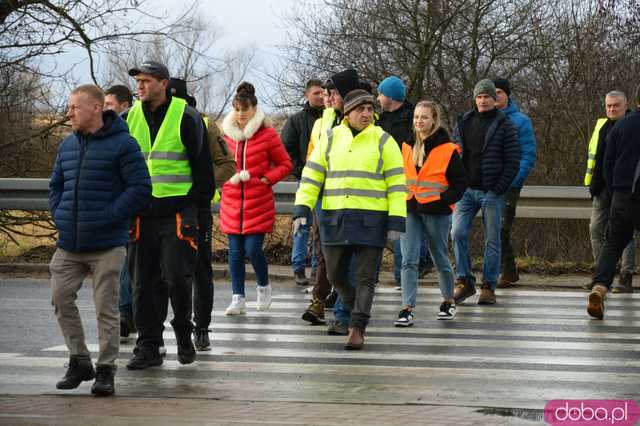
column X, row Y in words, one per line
column 541, row 202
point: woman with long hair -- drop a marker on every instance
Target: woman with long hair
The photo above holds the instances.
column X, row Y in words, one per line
column 436, row 180
column 247, row 208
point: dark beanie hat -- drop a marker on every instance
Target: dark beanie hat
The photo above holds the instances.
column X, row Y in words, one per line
column 344, row 82
column 356, row 98
column 503, row 83
column 178, row 88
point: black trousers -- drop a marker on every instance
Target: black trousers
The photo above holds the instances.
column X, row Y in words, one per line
column 619, row 232
column 508, row 216
column 162, row 261
column 203, row 284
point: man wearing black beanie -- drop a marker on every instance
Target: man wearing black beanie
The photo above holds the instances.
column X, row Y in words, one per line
column 527, row 142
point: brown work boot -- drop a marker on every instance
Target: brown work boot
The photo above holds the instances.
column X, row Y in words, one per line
column 355, row 342
column 314, row 313
column 624, row 284
column 487, row 295
column 595, row 304
column 465, row 288
column 507, row 279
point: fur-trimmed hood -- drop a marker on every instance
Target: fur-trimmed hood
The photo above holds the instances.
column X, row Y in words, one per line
column 231, row 129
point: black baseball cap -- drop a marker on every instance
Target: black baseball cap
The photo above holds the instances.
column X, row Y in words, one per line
column 152, row 68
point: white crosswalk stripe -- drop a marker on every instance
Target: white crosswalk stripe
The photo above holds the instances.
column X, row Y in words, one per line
column 531, row 347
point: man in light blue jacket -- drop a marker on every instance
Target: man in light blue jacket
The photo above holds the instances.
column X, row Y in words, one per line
column 527, row 141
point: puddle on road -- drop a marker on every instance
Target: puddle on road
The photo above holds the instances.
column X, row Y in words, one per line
column 533, row 415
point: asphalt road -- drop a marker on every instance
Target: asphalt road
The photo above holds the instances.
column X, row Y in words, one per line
column 508, row 359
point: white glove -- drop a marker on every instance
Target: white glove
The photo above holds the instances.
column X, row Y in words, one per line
column 394, row 235
column 297, row 223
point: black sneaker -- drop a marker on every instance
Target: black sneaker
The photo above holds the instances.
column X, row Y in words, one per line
column 186, row 350
column 144, row 358
column 405, row 318
column 104, row 386
column 447, row 311
column 301, row 278
column 201, row 339
column 79, row 369
column 124, row 328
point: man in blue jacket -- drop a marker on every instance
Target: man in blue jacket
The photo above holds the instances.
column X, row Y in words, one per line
column 99, row 181
column 527, row 141
column 491, row 155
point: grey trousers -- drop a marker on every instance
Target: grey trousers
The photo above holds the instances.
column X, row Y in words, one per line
column 358, row 299
column 598, row 231
column 68, row 270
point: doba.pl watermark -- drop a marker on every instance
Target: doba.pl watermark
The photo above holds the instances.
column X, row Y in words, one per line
column 591, row 412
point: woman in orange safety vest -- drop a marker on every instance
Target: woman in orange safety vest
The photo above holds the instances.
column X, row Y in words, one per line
column 436, row 180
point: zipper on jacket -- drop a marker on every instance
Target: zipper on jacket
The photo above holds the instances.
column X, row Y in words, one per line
column 83, row 150
column 242, row 165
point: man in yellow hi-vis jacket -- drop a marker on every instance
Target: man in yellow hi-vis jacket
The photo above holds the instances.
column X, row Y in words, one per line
column 360, row 169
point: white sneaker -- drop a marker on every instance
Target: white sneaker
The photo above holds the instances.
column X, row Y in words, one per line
column 264, row 298
column 238, row 305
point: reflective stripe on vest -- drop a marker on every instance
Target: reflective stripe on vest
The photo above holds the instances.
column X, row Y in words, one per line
column 593, row 149
column 167, row 157
column 367, row 184
column 428, row 184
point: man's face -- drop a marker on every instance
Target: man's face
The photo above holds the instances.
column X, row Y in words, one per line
column 616, row 107
column 485, row 102
column 315, row 96
column 111, row 104
column 385, row 102
column 361, row 116
column 502, row 100
column 326, row 98
column 149, row 88
column 83, row 111
column 335, row 100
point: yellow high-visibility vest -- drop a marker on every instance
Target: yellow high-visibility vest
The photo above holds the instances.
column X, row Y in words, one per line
column 167, row 158
column 593, row 149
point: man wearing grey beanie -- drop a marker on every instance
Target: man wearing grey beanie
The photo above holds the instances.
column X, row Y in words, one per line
column 491, row 155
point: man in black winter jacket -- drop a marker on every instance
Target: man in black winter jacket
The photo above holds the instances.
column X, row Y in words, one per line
column 296, row 134
column 491, row 155
column 621, row 159
column 297, row 130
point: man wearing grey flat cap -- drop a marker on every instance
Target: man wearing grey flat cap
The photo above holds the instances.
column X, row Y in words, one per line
column 491, row 155
column 163, row 238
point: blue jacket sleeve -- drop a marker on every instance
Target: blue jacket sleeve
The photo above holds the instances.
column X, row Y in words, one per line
column 56, row 185
column 527, row 140
column 137, row 183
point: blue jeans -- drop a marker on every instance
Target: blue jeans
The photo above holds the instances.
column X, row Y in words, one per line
column 125, row 291
column 397, row 257
column 299, row 248
column 340, row 311
column 466, row 210
column 436, row 229
column 241, row 246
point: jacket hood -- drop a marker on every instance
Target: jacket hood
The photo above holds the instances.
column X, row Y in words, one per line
column 231, row 129
column 511, row 107
column 112, row 124
column 441, row 136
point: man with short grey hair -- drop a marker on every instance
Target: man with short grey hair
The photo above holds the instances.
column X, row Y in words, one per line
column 616, row 106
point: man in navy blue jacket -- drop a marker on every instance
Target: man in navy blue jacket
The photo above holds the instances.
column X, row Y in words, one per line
column 99, row 181
column 527, row 142
column 621, row 158
column 491, row 155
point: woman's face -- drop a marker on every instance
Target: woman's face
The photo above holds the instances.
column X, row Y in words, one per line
column 244, row 113
column 423, row 119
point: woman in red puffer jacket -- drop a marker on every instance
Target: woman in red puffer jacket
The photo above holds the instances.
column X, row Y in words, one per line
column 247, row 208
